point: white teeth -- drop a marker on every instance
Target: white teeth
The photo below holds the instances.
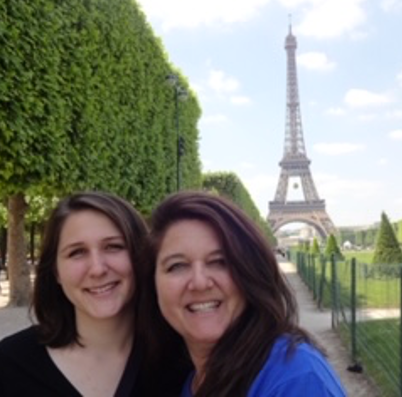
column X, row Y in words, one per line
column 101, row 290
column 204, row 306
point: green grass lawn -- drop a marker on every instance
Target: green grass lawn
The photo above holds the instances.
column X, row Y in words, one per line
column 378, row 348
column 374, row 288
column 360, row 256
column 378, row 341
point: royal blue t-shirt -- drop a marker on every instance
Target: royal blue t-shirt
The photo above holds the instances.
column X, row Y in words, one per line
column 304, row 373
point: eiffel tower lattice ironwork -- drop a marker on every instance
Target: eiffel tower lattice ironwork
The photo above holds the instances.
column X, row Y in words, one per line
column 295, row 164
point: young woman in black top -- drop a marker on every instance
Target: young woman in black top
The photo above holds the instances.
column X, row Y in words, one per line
column 86, row 341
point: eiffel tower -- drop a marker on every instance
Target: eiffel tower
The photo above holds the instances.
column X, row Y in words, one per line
column 295, row 163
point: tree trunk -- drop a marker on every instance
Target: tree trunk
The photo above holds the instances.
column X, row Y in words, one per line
column 32, row 243
column 18, row 270
column 3, row 249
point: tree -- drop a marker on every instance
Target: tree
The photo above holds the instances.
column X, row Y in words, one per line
column 229, row 185
column 332, row 248
column 84, row 105
column 398, row 227
column 387, row 249
column 315, row 249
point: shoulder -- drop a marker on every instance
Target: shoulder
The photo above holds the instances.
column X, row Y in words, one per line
column 289, row 371
column 19, row 342
column 22, row 351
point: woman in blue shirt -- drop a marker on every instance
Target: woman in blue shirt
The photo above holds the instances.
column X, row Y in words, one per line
column 222, row 302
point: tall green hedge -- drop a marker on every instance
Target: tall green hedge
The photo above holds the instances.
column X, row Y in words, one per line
column 229, row 185
column 84, row 104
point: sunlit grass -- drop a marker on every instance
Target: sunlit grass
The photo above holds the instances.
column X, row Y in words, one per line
column 378, row 348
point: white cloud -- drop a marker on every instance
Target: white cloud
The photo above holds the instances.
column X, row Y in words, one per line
column 396, row 135
column 358, row 98
column 391, row 5
column 214, row 119
column 195, row 13
column 221, row 83
column 332, row 18
column 335, row 111
column 240, row 100
column 336, row 149
column 315, row 61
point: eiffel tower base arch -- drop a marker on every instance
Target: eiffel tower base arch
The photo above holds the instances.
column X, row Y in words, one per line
column 313, row 214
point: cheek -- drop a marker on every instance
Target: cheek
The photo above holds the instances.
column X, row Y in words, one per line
column 164, row 293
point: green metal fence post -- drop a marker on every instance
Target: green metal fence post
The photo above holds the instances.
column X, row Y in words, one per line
column 334, row 295
column 313, row 276
column 323, row 263
column 353, row 310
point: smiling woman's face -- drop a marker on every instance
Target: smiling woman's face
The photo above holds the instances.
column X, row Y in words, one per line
column 196, row 292
column 94, row 267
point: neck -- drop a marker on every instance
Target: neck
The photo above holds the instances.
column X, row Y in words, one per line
column 106, row 334
column 199, row 357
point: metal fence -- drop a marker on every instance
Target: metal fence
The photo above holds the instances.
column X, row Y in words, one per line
column 365, row 301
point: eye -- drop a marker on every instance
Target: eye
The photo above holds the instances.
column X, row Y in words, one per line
column 115, row 247
column 219, row 261
column 76, row 253
column 176, row 266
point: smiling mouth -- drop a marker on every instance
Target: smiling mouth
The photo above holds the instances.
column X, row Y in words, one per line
column 203, row 307
column 102, row 289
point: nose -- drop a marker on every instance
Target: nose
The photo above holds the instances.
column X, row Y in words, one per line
column 200, row 279
column 97, row 264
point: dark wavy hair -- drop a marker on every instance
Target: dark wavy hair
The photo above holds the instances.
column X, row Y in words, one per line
column 54, row 312
column 270, row 309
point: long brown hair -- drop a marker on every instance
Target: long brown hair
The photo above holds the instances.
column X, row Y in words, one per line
column 270, row 310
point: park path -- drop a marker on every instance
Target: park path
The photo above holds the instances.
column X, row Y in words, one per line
column 315, row 321
column 318, row 322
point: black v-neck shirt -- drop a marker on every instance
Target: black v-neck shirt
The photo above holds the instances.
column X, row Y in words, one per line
column 26, row 370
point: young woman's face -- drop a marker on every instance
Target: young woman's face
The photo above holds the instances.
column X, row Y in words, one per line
column 94, row 267
column 196, row 292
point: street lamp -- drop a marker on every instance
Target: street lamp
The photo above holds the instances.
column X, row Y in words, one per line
column 181, row 94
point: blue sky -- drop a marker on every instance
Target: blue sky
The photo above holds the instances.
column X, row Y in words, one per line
column 349, row 61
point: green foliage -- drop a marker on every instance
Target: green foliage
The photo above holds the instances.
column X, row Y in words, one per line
column 398, row 231
column 332, row 248
column 84, row 103
column 361, row 237
column 315, row 249
column 229, row 185
column 3, row 215
column 387, row 249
